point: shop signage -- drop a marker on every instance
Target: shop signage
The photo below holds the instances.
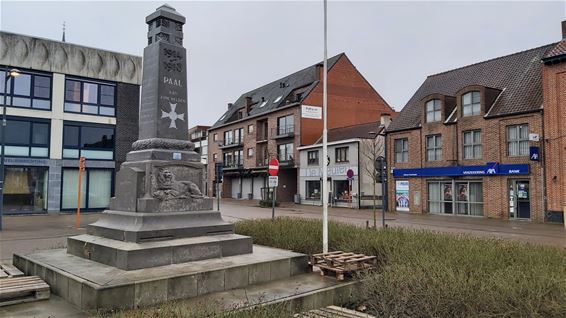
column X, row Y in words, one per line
column 534, row 153
column 402, row 195
column 332, row 171
column 312, row 112
column 26, row 161
column 490, row 169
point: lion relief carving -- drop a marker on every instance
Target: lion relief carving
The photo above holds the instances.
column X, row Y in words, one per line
column 167, row 188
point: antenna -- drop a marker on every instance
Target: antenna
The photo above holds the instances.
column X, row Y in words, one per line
column 63, row 39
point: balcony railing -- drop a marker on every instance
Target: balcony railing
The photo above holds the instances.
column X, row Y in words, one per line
column 283, row 131
column 231, row 143
column 233, row 165
column 262, row 162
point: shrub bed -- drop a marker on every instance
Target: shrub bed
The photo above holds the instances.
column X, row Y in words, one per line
column 427, row 274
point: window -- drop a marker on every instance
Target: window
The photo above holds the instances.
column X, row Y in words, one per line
column 312, row 190
column 401, row 150
column 228, row 159
column 471, row 104
column 263, row 104
column 285, row 125
column 341, row 191
column 312, row 157
column 277, row 100
column 518, row 140
column 239, row 157
column 455, row 197
column 433, row 112
column 250, row 129
column 91, row 142
column 238, row 135
column 215, row 137
column 26, row 138
column 434, row 148
column 341, row 154
column 285, row 152
column 96, row 188
column 472, row 144
column 228, row 137
column 90, row 97
column 214, row 157
column 25, row 189
column 250, row 152
column 28, row 90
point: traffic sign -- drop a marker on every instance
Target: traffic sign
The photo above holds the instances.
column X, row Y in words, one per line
column 273, row 181
column 350, row 174
column 273, row 167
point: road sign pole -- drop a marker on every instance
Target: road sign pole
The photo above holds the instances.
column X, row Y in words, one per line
column 325, row 138
column 273, row 203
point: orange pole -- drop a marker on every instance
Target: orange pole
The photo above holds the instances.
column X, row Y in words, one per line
column 81, row 169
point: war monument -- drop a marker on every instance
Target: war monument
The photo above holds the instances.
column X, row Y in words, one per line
column 160, row 239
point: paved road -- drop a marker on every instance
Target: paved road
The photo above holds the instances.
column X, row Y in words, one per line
column 24, row 234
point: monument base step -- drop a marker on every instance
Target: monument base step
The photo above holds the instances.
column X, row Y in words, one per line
column 131, row 255
column 91, row 286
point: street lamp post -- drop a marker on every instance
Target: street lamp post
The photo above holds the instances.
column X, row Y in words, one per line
column 11, row 74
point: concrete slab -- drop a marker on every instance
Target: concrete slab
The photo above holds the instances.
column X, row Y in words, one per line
column 107, row 287
column 53, row 307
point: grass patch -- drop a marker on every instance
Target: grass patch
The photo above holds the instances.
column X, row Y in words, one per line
column 427, row 274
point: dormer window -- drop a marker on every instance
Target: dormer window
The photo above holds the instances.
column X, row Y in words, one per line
column 433, row 113
column 471, row 104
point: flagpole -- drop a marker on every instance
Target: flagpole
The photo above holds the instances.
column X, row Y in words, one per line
column 325, row 141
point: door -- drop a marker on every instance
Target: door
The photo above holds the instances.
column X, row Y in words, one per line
column 519, row 199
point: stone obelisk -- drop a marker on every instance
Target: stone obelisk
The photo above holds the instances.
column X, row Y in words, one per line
column 159, row 203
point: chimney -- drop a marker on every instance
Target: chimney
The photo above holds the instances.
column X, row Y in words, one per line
column 248, row 105
column 385, row 120
column 564, row 29
column 230, row 105
column 319, row 69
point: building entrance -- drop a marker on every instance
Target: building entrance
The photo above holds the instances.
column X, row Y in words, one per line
column 519, row 199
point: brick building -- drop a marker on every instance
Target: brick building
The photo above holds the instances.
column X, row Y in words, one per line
column 277, row 118
column 469, row 142
column 69, row 101
column 554, row 92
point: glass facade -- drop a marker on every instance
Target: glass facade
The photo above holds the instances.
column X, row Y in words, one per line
column 25, row 190
column 455, row 197
column 97, row 183
column 92, row 142
column 27, row 90
column 92, row 98
column 25, row 138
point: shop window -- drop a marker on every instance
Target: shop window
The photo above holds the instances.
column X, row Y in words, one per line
column 518, row 140
column 25, row 189
column 433, row 112
column 401, row 149
column 26, row 138
column 312, row 157
column 90, row 97
column 341, row 191
column 312, row 190
column 434, row 148
column 27, row 90
column 96, row 188
column 285, row 152
column 471, row 104
column 458, row 197
column 472, row 144
column 341, row 154
column 91, row 142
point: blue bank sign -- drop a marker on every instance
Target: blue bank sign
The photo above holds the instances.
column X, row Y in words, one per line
column 490, row 169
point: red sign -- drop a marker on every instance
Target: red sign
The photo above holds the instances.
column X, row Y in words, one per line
column 273, row 167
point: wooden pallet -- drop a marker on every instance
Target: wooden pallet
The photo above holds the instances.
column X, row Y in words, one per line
column 22, row 289
column 341, row 263
column 9, row 271
column 333, row 311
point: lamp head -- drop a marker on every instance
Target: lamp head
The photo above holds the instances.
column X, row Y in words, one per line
column 14, row 73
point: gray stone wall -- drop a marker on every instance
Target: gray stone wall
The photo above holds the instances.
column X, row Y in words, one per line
column 127, row 115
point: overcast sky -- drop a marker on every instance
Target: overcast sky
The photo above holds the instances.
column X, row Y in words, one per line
column 234, row 47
